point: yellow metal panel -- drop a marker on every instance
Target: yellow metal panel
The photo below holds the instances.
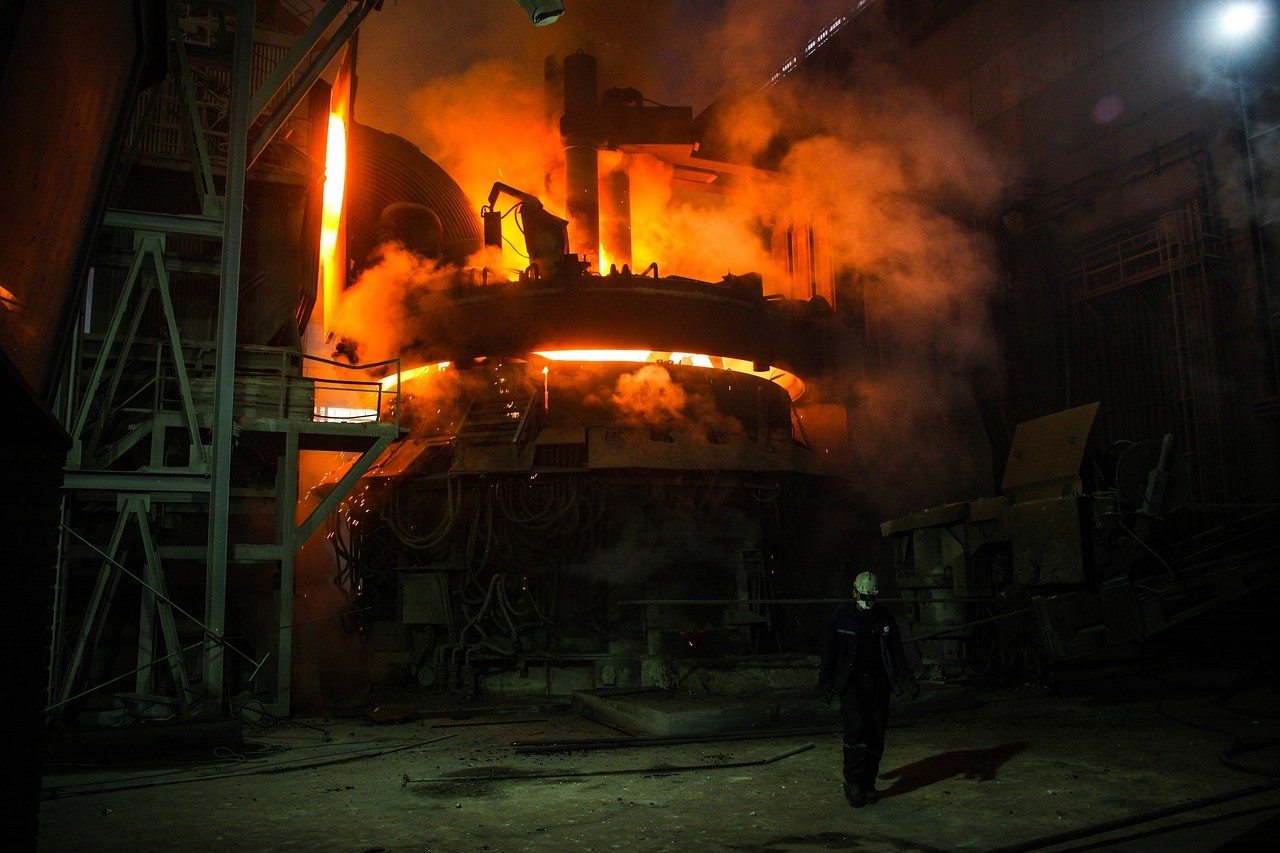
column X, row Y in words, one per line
column 1049, row 448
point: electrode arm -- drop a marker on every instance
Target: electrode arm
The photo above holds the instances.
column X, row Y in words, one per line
column 526, row 198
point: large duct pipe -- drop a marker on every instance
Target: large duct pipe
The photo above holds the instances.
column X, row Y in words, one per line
column 581, row 159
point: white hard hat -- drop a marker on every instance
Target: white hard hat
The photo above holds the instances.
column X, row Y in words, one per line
column 866, row 584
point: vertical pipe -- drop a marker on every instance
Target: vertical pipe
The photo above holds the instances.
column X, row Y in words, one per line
column 581, row 159
column 615, row 219
column 581, row 174
column 287, row 537
column 579, row 84
column 225, row 365
column 552, row 88
column 1257, row 239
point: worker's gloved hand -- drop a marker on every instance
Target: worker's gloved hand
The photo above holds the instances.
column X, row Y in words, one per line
column 826, row 694
column 913, row 689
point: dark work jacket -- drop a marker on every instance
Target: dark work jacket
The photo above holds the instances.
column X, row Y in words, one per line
column 840, row 648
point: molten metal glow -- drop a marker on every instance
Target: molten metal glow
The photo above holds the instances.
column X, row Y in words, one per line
column 344, row 414
column 691, row 358
column 596, row 355
column 405, row 376
column 793, row 385
column 335, row 181
column 332, row 261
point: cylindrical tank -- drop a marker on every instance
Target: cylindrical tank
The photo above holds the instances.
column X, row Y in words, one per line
column 582, row 170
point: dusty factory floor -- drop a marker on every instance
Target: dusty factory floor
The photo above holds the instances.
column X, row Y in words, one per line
column 1025, row 769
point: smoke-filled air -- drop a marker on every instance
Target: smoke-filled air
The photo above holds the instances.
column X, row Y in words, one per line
column 897, row 188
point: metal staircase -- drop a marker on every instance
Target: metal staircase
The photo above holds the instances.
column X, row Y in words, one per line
column 500, row 416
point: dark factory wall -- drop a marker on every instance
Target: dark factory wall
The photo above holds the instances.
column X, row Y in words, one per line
column 1133, row 272
column 33, row 448
column 69, row 70
column 68, row 81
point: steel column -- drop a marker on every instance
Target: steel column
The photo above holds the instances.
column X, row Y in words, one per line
column 156, row 601
column 225, row 364
column 286, row 107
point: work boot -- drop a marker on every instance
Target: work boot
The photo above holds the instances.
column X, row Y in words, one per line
column 870, row 794
column 855, row 795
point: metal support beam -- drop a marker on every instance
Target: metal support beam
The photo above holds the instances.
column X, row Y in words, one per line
column 286, row 519
column 225, row 364
column 147, row 245
column 156, row 601
column 161, row 223
column 339, row 491
column 210, row 203
column 290, row 62
column 99, row 603
column 100, row 366
column 308, row 78
column 104, row 592
column 128, row 481
column 197, row 454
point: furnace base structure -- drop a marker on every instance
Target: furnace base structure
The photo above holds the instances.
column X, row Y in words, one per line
column 552, row 525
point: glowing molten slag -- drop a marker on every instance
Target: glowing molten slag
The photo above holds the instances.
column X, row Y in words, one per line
column 596, row 355
column 789, row 381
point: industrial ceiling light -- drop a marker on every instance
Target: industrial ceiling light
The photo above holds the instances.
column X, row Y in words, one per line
column 1241, row 19
column 542, row 12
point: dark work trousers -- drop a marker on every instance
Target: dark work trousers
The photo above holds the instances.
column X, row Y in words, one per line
column 864, row 707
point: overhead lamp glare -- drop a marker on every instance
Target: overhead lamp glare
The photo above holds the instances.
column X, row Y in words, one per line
column 1241, row 19
column 542, row 12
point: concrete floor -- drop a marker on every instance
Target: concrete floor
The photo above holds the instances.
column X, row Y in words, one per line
column 1026, row 764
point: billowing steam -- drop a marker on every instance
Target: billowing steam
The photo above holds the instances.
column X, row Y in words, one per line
column 371, row 314
column 371, row 318
column 648, row 396
column 902, row 190
column 489, row 124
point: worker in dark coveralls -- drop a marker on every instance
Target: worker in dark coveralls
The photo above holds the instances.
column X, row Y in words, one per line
column 862, row 660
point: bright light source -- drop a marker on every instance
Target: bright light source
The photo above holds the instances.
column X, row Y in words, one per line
column 542, row 12
column 1241, row 19
column 335, row 180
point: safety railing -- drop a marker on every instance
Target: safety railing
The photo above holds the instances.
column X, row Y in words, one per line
column 385, row 398
column 1175, row 240
column 336, row 391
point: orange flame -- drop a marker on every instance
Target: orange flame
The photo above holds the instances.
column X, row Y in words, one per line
column 335, row 182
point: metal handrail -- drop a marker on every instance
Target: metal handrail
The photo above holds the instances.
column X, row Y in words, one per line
column 360, row 385
column 289, row 364
column 531, row 410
